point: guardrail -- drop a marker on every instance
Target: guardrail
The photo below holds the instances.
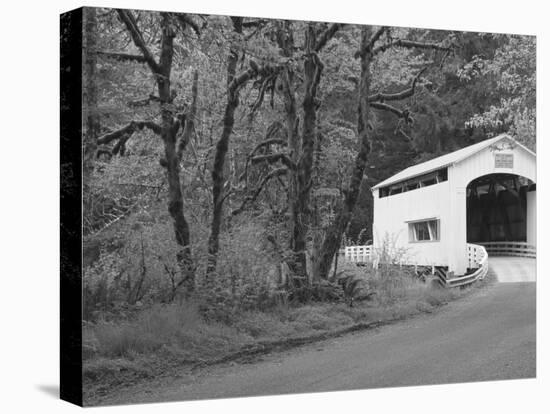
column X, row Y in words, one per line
column 510, row 248
column 477, row 258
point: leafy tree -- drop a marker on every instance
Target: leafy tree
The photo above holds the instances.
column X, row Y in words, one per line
column 512, row 76
column 171, row 121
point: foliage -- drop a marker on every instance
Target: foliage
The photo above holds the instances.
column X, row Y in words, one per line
column 250, row 278
column 512, row 73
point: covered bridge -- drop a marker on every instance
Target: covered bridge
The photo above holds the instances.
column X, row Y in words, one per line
column 447, row 213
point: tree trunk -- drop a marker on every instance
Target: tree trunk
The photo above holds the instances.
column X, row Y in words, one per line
column 90, row 94
column 293, row 144
column 221, row 152
column 300, row 179
column 333, row 237
column 301, row 198
column 169, row 135
column 175, row 208
column 297, row 230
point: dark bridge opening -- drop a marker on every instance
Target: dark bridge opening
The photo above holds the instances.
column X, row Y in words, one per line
column 497, row 208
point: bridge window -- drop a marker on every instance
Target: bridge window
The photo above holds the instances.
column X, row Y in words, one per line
column 415, row 183
column 424, row 230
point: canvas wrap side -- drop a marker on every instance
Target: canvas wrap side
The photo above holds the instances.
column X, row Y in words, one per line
column 71, row 34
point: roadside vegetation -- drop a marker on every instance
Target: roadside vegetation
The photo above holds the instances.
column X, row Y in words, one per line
column 135, row 342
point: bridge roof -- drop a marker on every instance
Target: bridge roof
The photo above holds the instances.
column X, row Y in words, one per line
column 444, row 161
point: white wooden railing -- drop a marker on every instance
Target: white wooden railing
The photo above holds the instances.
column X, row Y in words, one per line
column 478, row 263
column 510, row 248
column 358, row 254
column 478, row 259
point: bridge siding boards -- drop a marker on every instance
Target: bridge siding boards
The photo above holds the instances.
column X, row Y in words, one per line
column 446, row 202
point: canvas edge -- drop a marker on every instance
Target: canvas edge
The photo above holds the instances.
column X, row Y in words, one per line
column 71, row 34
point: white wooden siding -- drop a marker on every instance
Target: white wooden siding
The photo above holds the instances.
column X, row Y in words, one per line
column 392, row 214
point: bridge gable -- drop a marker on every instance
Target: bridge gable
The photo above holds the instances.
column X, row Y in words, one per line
column 506, row 156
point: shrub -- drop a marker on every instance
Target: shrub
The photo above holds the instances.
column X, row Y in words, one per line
column 246, row 277
column 99, row 284
column 356, row 283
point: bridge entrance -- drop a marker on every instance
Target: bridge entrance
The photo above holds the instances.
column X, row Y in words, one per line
column 500, row 208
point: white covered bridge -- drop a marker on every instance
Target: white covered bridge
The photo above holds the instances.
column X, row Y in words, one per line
column 452, row 212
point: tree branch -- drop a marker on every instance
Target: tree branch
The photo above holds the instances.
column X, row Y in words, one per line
column 244, row 77
column 255, row 23
column 409, row 44
column 398, row 95
column 405, row 114
column 250, row 199
column 265, row 84
column 129, row 20
column 143, row 101
column 166, row 48
column 120, row 146
column 128, row 129
column 376, row 36
column 368, row 44
column 123, row 57
column 327, row 35
column 186, row 20
column 272, row 158
column 273, row 129
column 267, row 142
column 252, row 72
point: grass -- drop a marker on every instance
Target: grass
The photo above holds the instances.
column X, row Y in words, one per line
column 172, row 335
